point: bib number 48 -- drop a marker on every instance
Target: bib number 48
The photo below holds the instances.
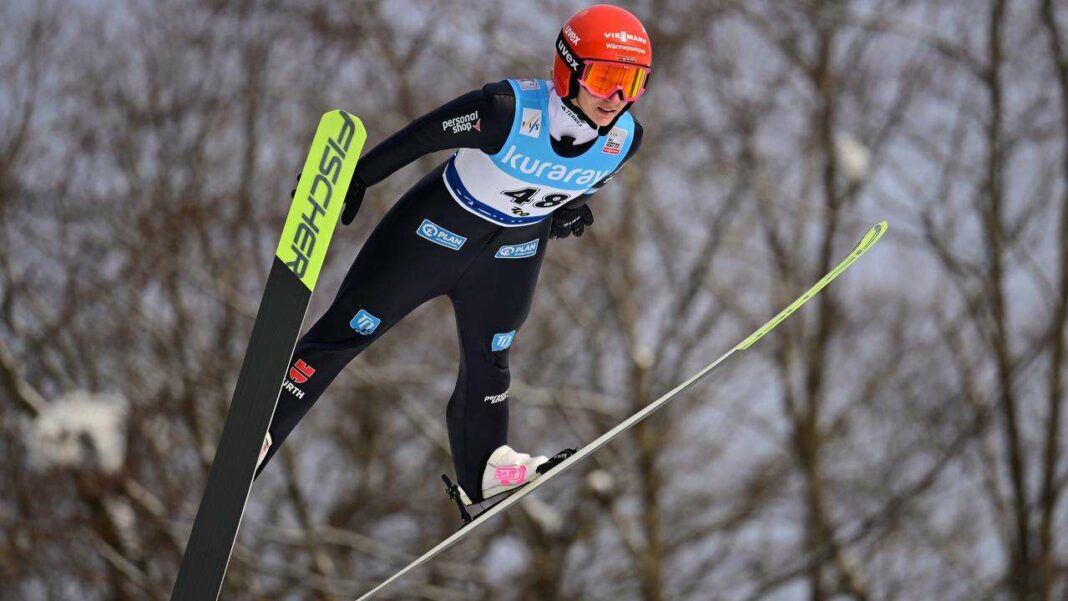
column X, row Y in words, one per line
column 526, row 196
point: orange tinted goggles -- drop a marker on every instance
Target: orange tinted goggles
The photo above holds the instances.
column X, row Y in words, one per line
column 604, row 79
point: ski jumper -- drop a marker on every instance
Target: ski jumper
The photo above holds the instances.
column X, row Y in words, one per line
column 474, row 229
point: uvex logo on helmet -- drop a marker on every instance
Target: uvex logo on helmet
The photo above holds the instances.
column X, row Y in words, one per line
column 565, row 52
column 571, row 35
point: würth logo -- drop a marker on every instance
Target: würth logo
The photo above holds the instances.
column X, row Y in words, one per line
column 291, row 387
column 301, row 371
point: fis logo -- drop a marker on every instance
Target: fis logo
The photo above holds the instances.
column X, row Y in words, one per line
column 517, row 251
column 527, row 83
column 502, row 341
column 531, row 123
column 493, row 399
column 439, row 235
column 462, row 123
column 364, row 323
column 301, row 371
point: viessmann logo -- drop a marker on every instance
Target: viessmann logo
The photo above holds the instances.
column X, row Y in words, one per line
column 321, row 194
column 625, row 37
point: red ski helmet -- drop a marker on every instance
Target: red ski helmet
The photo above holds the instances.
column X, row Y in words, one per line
column 605, row 49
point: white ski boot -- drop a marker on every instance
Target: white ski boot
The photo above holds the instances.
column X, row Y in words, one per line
column 263, row 450
column 506, row 470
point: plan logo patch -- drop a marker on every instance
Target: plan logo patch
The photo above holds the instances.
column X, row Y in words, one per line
column 531, row 123
column 615, row 141
column 364, row 323
column 439, row 235
column 518, row 251
column 502, row 341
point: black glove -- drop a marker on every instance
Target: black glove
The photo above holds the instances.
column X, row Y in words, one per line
column 353, row 199
column 570, row 221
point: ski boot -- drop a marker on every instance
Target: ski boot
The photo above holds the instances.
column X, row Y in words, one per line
column 263, row 450
column 505, row 471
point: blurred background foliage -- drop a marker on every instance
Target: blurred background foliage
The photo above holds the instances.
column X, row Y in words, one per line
column 902, row 437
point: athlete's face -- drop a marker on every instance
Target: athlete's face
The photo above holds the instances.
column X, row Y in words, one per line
column 600, row 110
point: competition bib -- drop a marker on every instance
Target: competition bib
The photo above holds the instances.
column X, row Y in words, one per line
column 526, row 180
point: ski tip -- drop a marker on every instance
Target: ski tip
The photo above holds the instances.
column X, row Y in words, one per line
column 874, row 234
column 343, row 113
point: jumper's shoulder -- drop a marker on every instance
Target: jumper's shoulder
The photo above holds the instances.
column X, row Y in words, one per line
column 637, row 141
column 499, row 88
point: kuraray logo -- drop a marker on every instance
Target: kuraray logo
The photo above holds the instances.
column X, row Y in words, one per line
column 502, row 341
column 571, row 35
column 493, row 399
column 364, row 323
column 301, row 371
column 518, row 251
column 537, row 167
column 615, row 141
column 530, row 125
column 462, row 123
column 439, row 235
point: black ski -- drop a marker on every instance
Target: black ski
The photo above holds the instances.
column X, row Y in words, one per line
column 313, row 215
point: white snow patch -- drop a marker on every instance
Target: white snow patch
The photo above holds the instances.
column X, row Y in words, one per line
column 80, row 429
column 541, row 512
column 853, row 157
column 600, row 482
column 125, row 519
